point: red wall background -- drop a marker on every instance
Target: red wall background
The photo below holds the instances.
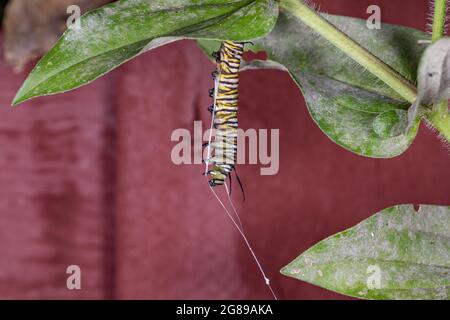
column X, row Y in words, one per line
column 86, row 179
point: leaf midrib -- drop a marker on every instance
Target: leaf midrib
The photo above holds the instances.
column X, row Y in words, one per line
column 203, row 5
column 362, row 259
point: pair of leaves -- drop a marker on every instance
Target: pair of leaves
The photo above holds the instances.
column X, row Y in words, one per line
column 396, row 254
column 117, row 32
column 350, row 105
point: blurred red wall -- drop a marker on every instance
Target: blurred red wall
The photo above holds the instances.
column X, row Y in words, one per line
column 86, row 179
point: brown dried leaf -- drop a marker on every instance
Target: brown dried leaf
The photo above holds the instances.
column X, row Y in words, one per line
column 33, row 26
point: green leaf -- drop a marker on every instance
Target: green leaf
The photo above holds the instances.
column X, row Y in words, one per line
column 115, row 33
column 345, row 100
column 397, row 253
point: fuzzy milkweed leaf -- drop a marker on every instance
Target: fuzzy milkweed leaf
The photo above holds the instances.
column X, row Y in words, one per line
column 115, row 33
column 348, row 103
column 397, row 253
column 351, row 106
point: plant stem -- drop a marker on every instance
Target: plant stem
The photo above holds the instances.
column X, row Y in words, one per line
column 439, row 117
column 351, row 48
column 440, row 13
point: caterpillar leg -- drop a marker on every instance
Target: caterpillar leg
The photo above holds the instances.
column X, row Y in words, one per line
column 216, row 56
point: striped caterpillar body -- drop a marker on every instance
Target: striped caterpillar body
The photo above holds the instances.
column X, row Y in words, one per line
column 224, row 111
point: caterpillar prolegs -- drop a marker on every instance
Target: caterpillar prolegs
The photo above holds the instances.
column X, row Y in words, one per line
column 224, row 109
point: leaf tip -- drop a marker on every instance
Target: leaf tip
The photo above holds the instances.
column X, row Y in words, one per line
column 288, row 271
column 21, row 96
column 284, row 271
column 16, row 101
column 18, row 98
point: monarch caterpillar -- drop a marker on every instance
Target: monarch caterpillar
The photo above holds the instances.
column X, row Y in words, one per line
column 224, row 110
column 225, row 122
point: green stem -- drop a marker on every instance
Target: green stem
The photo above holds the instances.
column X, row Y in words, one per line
column 440, row 13
column 351, row 48
column 439, row 117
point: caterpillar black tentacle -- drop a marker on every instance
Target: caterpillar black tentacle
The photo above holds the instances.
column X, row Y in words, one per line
column 240, row 183
column 225, row 111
